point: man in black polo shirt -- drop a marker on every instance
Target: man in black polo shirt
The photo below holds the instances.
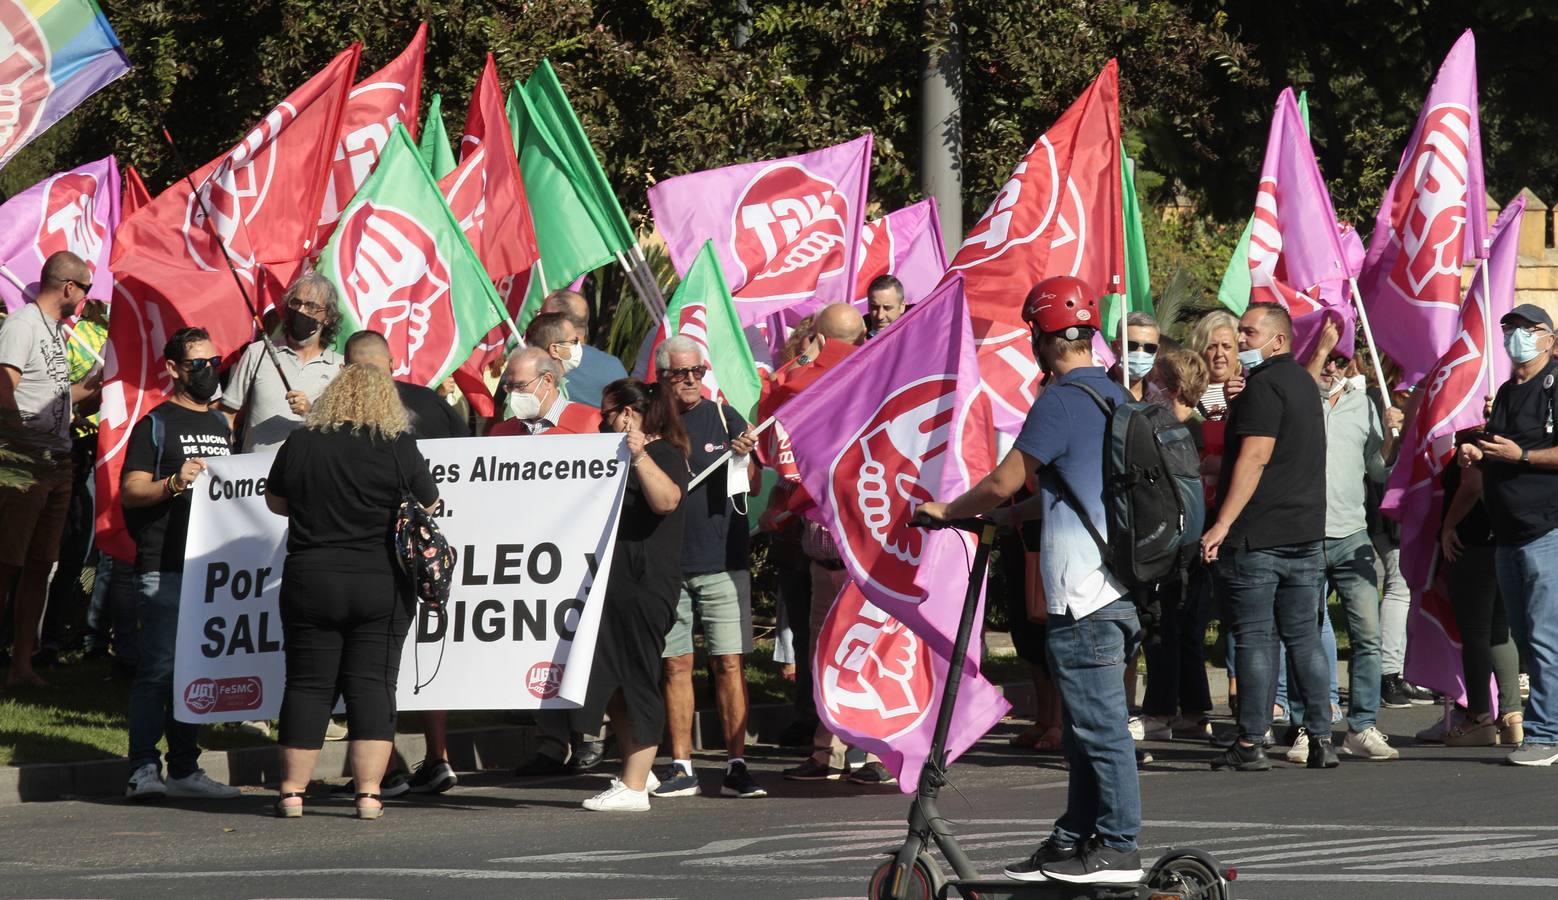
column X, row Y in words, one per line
column 1519, row 463
column 1266, row 540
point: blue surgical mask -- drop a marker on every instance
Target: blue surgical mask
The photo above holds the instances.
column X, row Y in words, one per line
column 1251, row 358
column 1520, row 344
column 1139, row 364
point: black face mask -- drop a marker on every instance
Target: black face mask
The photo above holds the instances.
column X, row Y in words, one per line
column 300, row 325
column 202, row 385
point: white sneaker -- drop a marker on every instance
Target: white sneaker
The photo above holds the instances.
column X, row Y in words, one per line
column 199, row 786
column 618, row 798
column 1155, row 728
column 1299, row 752
column 1137, row 728
column 146, row 783
column 1370, row 743
column 652, row 783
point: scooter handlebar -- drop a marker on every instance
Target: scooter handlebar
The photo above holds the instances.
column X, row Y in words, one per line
column 972, row 525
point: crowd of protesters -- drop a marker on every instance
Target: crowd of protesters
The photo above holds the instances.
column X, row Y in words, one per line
column 1293, row 452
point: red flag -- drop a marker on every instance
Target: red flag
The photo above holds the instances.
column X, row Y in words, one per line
column 135, row 194
column 487, row 196
column 388, row 96
column 263, row 196
column 1058, row 214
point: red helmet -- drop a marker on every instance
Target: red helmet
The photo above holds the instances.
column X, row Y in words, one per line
column 1061, row 304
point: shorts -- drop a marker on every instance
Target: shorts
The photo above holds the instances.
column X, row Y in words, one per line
column 34, row 520
column 723, row 603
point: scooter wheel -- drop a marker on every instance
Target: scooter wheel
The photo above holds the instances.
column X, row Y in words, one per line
column 1186, row 876
column 922, row 882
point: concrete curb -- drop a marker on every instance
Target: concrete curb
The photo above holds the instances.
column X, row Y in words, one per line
column 495, row 748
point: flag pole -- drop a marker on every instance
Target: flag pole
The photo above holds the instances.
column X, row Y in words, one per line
column 636, row 280
column 637, row 255
column 1368, row 337
column 1487, row 327
column 725, row 457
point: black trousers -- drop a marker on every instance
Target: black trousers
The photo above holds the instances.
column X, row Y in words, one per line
column 1485, row 645
column 344, row 633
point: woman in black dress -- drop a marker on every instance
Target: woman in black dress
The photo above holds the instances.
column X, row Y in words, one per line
column 640, row 603
column 345, row 608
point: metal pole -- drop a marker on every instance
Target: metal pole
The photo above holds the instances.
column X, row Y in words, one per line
column 1487, row 330
column 636, row 254
column 1368, row 338
column 941, row 120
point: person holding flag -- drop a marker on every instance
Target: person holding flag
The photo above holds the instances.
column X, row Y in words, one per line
column 1518, row 456
column 274, row 393
column 1093, row 624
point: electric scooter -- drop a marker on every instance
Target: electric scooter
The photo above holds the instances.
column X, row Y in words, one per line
column 913, row 874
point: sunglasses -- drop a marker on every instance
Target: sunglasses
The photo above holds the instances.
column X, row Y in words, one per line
column 86, row 287
column 307, row 306
column 1140, row 347
column 696, row 373
column 202, row 362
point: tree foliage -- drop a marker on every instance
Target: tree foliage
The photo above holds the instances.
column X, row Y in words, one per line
column 666, row 87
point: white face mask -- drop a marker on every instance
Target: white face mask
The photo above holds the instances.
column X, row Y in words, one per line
column 1358, row 382
column 1337, row 386
column 523, row 406
column 575, row 356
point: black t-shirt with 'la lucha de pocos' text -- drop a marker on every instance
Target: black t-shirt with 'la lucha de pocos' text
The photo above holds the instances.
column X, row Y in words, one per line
column 160, row 443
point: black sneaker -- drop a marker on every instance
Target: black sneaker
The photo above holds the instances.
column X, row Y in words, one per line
column 738, row 783
column 586, row 756
column 1049, row 853
column 433, row 776
column 811, row 770
column 1097, row 864
column 1321, row 754
column 1394, row 693
column 541, row 764
column 1242, row 758
column 395, row 784
column 1422, row 696
column 872, row 773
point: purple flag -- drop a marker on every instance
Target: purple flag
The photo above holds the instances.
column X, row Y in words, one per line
column 786, row 231
column 1296, row 253
column 1432, row 221
column 899, row 422
column 76, row 211
column 905, row 243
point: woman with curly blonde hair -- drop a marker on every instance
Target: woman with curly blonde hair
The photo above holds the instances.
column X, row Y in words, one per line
column 345, row 609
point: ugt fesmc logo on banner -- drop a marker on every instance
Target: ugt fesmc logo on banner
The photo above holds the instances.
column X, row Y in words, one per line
column 519, row 630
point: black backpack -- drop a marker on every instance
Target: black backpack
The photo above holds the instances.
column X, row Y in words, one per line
column 1154, row 507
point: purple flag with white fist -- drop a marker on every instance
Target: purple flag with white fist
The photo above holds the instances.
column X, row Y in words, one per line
column 76, row 211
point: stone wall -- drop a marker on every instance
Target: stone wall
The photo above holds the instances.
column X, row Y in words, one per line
column 1536, row 280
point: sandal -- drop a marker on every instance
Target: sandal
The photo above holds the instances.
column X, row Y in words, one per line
column 369, row 812
column 289, row 812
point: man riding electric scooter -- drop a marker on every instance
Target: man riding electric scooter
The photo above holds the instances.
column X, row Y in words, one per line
column 1093, row 625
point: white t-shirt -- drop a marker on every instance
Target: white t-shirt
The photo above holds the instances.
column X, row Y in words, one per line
column 34, row 344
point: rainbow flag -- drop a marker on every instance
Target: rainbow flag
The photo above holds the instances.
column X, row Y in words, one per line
column 60, row 53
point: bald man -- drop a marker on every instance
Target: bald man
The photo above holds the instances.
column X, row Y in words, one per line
column 430, row 416
column 598, row 368
column 36, row 396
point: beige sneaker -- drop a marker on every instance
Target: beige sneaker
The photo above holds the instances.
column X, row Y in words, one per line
column 334, row 731
column 1370, row 744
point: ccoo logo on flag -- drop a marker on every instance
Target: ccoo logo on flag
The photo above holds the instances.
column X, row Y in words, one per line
column 892, row 465
column 1429, row 209
column 392, row 273
column 788, row 232
column 69, row 221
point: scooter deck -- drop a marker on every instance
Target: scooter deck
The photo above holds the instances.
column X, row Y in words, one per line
column 1006, row 889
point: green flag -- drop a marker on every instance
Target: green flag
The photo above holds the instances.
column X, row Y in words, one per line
column 436, row 154
column 1234, row 292
column 703, row 310
column 1138, row 281
column 566, row 235
column 402, row 267
column 552, row 109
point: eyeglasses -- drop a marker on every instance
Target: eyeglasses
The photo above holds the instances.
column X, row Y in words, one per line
column 696, row 373
column 202, row 362
column 1140, row 347
column 524, row 386
column 568, row 343
column 1534, row 329
column 307, row 306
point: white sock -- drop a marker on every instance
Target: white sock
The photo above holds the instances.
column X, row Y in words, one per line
column 686, row 765
column 733, row 762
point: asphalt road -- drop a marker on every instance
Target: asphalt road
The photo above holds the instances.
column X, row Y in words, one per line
column 1439, row 823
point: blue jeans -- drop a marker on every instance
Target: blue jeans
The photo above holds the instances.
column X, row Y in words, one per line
column 1328, row 647
column 1087, row 660
column 1349, row 562
column 1271, row 592
column 1528, row 581
column 151, row 697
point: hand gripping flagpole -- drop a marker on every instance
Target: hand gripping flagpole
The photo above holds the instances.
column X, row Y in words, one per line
column 725, row 457
column 1368, row 338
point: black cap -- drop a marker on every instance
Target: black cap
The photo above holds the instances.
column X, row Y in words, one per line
column 1531, row 313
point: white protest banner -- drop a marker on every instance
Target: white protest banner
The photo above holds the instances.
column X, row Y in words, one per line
column 533, row 520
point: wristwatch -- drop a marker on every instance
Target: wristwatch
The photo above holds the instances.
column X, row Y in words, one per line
column 1525, row 458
